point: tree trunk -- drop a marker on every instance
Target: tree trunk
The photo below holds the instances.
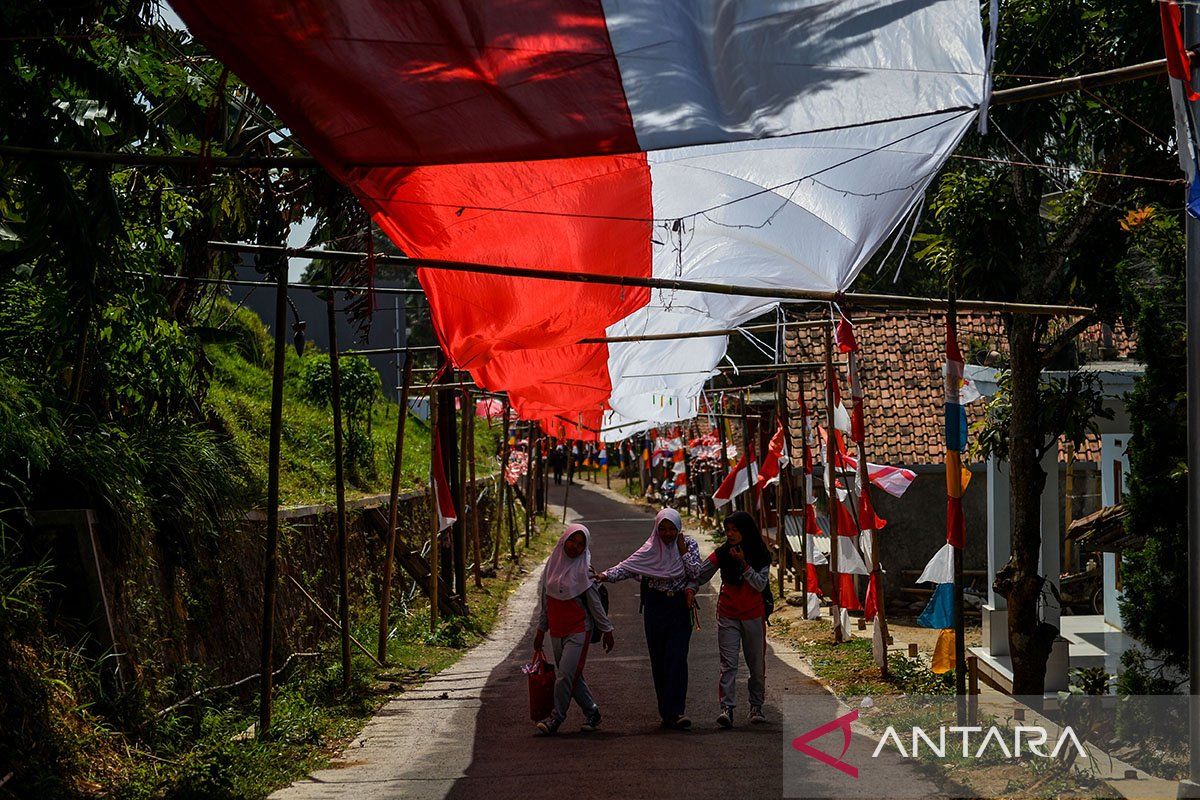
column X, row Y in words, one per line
column 1018, row 581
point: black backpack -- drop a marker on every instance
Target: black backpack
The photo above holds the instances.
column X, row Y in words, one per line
column 768, row 603
column 603, row 591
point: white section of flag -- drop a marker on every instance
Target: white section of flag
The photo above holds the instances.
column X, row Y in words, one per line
column 850, row 562
column 739, row 480
column 940, row 568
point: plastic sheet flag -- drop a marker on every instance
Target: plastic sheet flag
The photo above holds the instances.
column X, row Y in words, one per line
column 847, row 596
column 940, row 568
column 940, row 611
column 547, row 135
column 813, row 609
column 871, row 601
column 447, row 516
column 739, row 479
column 956, row 483
column 850, row 561
column 943, row 653
column 774, row 461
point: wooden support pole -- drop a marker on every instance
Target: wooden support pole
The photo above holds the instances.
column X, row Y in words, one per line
column 748, row 452
column 506, row 491
column 570, row 475
column 435, row 545
column 831, row 487
column 960, row 655
column 529, row 482
column 474, row 494
column 461, row 525
column 781, row 493
column 844, row 299
column 271, row 559
column 805, row 481
column 389, row 556
column 339, row 483
column 864, row 488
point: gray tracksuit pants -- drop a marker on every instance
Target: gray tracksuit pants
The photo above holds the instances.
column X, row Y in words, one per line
column 570, row 653
column 749, row 636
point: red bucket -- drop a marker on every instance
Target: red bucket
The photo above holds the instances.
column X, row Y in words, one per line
column 540, row 674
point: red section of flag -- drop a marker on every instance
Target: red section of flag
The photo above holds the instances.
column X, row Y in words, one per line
column 810, row 521
column 956, row 524
column 441, row 487
column 771, row 463
column 814, row 582
column 871, row 604
column 867, row 518
column 845, row 336
column 475, row 87
column 846, row 526
column 847, row 593
column 368, row 82
column 1179, row 60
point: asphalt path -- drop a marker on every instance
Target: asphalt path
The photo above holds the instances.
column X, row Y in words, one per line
column 467, row 732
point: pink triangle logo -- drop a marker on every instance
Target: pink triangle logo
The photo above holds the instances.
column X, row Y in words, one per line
column 843, row 722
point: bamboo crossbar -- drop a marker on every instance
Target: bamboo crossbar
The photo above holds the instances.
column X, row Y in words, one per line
column 661, row 337
column 850, row 299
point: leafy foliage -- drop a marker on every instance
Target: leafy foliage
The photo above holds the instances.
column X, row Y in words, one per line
column 1067, row 407
column 1154, row 576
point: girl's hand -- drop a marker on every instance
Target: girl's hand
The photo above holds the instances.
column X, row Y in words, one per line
column 682, row 543
column 736, row 552
column 607, row 641
column 599, row 577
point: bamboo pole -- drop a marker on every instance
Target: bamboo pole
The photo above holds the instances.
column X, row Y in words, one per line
column 434, row 550
column 662, row 337
column 781, row 487
column 831, row 487
column 339, row 482
column 475, row 547
column 389, row 556
column 844, row 299
column 864, row 488
column 960, row 655
column 271, row 559
column 748, row 452
column 308, row 287
column 461, row 524
column 805, row 479
column 529, row 482
column 567, row 490
column 506, row 492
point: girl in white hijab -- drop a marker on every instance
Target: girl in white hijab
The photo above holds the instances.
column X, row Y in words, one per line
column 569, row 609
column 668, row 565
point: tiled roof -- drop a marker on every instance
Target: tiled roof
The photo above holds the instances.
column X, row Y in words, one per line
column 901, row 360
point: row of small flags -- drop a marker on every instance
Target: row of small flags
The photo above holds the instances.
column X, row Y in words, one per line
column 939, row 612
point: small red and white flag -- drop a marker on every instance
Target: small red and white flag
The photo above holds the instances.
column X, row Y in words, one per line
column 775, row 460
column 447, row 516
column 739, row 480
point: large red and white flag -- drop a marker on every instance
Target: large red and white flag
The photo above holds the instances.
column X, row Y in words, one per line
column 740, row 478
column 774, row 143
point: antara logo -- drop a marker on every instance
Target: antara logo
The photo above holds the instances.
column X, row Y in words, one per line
column 1025, row 739
column 973, row 740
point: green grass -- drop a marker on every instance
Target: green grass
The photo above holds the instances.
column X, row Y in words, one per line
column 240, row 397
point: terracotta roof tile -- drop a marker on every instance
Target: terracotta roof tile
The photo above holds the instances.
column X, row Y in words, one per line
column 901, row 362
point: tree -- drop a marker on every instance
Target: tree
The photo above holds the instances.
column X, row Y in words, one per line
column 1049, row 236
column 1155, row 574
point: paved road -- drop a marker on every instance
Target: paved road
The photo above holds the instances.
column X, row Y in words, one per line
column 467, row 733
